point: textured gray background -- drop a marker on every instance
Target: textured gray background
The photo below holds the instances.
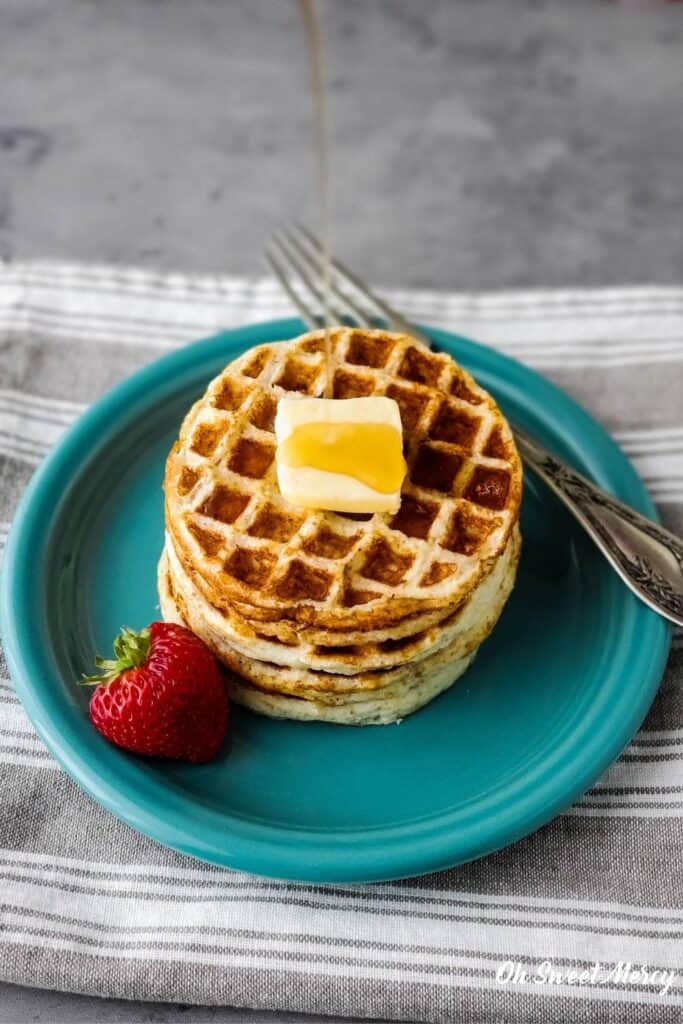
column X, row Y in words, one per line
column 479, row 144
column 476, row 144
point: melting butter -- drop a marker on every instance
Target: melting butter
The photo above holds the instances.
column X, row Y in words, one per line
column 369, row 452
column 341, row 454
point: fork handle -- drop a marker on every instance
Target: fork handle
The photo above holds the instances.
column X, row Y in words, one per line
column 648, row 558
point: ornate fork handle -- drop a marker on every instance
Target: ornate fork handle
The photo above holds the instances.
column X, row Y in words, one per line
column 647, row 557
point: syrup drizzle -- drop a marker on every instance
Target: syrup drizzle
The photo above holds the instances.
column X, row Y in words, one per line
column 368, row 452
column 313, row 32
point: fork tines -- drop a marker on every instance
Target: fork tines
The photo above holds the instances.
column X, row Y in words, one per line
column 296, row 258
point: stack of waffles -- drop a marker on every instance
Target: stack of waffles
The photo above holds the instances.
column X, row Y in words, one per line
column 323, row 616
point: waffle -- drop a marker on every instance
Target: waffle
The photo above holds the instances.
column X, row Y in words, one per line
column 224, row 634
column 293, row 632
column 405, row 699
column 249, row 552
column 374, row 707
column 321, row 616
column 326, row 686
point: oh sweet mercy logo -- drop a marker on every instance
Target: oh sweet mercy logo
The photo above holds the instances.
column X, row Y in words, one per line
column 512, row 972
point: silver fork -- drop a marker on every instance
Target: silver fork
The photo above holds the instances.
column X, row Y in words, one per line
column 648, row 558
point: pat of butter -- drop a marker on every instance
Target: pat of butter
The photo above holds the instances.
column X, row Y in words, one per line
column 341, row 454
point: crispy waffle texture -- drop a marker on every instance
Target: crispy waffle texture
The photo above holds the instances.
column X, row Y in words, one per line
column 300, row 603
column 389, row 704
column 245, row 544
column 234, row 645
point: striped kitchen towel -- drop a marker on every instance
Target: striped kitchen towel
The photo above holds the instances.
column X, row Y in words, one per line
column 582, row 921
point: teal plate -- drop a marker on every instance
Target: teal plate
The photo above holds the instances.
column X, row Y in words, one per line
column 552, row 698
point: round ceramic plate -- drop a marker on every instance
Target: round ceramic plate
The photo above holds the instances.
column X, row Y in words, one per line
column 551, row 699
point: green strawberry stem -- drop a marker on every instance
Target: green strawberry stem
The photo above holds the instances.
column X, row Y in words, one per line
column 131, row 650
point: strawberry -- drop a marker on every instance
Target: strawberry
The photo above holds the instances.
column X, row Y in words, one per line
column 163, row 695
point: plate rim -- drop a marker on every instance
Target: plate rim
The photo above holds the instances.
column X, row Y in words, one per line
column 267, row 849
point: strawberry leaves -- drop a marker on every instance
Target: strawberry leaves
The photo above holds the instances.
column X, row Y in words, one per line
column 131, row 650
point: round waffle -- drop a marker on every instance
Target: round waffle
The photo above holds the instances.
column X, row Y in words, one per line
column 289, row 632
column 221, row 632
column 248, row 551
column 330, row 687
column 403, row 700
column 379, row 706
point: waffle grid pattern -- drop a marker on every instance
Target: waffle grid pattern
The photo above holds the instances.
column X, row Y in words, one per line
column 345, row 658
column 460, row 498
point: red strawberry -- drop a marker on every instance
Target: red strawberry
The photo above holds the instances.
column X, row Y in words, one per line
column 164, row 695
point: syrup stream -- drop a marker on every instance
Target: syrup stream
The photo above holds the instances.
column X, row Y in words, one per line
column 311, row 19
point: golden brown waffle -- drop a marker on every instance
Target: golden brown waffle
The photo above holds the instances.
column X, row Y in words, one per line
column 402, row 691
column 290, row 632
column 327, row 686
column 389, row 704
column 219, row 629
column 247, row 549
column 377, row 708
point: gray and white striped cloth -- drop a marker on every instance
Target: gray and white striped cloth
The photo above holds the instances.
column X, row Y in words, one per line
column 88, row 905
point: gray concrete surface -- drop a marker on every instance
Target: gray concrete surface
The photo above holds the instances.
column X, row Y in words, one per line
column 478, row 144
